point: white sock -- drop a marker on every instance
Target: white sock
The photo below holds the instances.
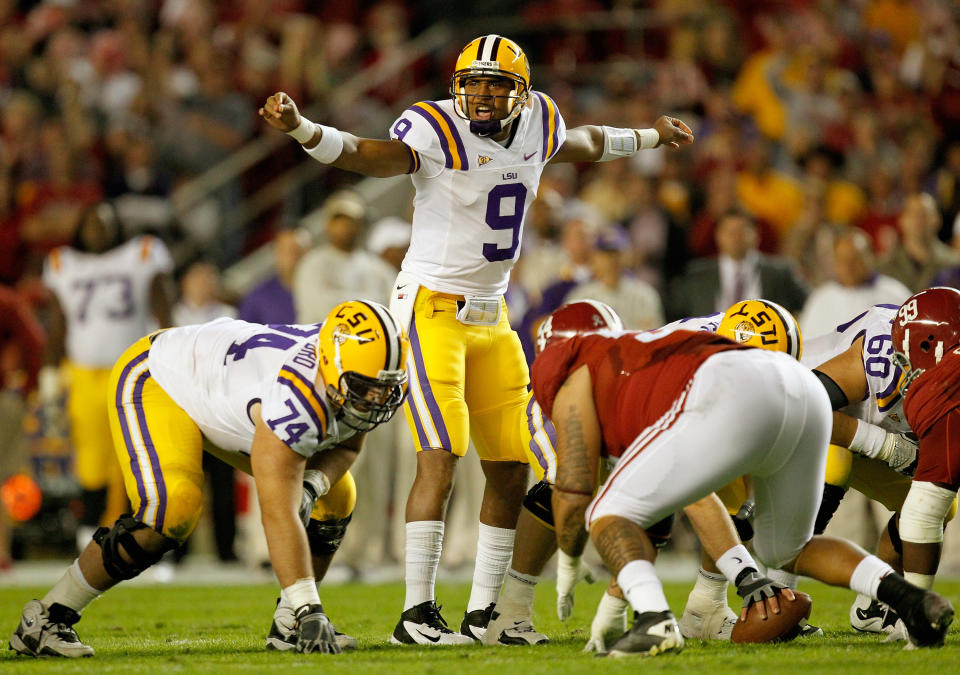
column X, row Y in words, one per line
column 611, row 611
column 423, row 547
column 640, row 585
column 72, row 590
column 711, row 586
column 788, row 579
column 516, row 597
column 494, row 551
column 867, row 575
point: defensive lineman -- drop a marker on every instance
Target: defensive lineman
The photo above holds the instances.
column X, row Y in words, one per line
column 476, row 161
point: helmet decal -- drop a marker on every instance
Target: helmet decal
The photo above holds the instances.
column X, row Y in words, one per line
column 493, row 56
column 764, row 324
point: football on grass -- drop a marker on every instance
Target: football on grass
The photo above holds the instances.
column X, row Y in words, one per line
column 777, row 627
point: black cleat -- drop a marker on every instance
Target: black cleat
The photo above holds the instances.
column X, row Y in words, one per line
column 652, row 633
column 423, row 625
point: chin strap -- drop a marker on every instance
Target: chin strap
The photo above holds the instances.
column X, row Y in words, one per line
column 486, row 127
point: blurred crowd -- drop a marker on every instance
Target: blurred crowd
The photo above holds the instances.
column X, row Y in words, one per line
column 825, row 173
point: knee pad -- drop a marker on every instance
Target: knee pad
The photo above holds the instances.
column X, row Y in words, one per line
column 832, row 495
column 326, row 536
column 894, row 533
column 659, row 532
column 338, row 503
column 923, row 513
column 839, row 466
column 112, row 539
column 539, row 502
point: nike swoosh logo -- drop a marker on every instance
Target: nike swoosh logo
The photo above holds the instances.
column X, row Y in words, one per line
column 526, row 157
column 863, row 616
column 737, row 559
column 428, row 637
column 400, row 287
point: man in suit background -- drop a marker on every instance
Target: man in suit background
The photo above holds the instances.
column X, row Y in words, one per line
column 738, row 271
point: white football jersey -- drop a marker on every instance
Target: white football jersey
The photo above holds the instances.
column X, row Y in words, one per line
column 217, row 371
column 883, row 405
column 472, row 193
column 106, row 296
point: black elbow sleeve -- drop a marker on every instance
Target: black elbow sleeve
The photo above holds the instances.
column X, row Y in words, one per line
column 837, row 398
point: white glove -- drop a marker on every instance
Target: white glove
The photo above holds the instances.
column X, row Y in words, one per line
column 315, row 485
column 570, row 572
column 900, row 453
column 609, row 623
column 49, row 386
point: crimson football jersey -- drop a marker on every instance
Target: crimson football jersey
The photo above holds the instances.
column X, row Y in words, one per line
column 931, row 406
column 636, row 376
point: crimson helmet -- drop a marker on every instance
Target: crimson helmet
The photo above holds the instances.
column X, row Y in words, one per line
column 577, row 318
column 925, row 328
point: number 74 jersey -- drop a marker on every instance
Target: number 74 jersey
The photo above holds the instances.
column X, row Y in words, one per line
column 472, row 192
column 883, row 404
column 218, row 371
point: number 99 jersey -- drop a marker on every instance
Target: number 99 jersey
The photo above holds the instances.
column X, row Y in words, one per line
column 472, row 192
column 883, row 405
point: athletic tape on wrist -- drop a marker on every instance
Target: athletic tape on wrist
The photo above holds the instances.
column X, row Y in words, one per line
column 304, row 130
column 330, row 146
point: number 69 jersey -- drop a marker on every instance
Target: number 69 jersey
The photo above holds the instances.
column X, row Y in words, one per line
column 217, row 371
column 883, row 405
column 472, row 192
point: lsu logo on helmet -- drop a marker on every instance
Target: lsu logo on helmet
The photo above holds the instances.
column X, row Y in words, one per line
column 763, row 324
column 362, row 352
column 494, row 56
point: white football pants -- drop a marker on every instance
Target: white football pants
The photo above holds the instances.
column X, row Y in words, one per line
column 744, row 412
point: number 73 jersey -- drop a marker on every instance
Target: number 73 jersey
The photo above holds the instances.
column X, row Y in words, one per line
column 218, row 371
column 883, row 404
column 472, row 192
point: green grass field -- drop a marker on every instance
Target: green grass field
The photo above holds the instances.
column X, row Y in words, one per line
column 179, row 629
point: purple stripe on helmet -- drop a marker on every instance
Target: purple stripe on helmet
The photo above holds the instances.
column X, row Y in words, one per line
column 443, row 138
column 545, row 115
column 461, row 151
column 125, row 429
column 534, row 443
column 427, row 391
column 306, row 404
column 137, row 401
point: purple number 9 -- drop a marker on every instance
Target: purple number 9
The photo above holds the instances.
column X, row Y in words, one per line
column 401, row 128
column 497, row 220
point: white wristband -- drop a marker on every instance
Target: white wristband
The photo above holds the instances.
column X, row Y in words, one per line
column 304, row 130
column 868, row 439
column 302, row 592
column 735, row 561
column 567, row 567
column 649, row 138
column 617, row 143
column 329, row 147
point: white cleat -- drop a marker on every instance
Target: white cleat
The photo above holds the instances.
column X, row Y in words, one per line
column 513, row 630
column 39, row 634
column 707, row 621
column 423, row 625
column 872, row 616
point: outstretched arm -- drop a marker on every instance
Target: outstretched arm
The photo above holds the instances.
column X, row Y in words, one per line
column 591, row 143
column 366, row 156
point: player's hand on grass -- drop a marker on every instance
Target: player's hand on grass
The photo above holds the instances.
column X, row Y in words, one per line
column 315, row 632
column 754, row 588
column 673, row 132
column 281, row 112
column 570, row 572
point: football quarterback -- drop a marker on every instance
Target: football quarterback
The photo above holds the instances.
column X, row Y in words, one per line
column 289, row 404
column 475, row 160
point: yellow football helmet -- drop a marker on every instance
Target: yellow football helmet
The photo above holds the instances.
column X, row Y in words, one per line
column 497, row 56
column 763, row 324
column 362, row 355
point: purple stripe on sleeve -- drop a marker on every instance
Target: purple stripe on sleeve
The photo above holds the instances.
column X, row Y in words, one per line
column 137, row 400
column 306, row 404
column 556, row 128
column 436, row 127
column 125, row 429
column 309, row 386
column 461, row 151
column 425, row 387
column 534, row 444
column 546, row 124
